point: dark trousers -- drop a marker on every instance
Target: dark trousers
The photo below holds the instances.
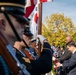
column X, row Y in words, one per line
column 63, row 72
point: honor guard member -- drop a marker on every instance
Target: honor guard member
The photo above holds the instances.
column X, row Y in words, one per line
column 33, row 45
column 27, row 33
column 37, row 66
column 41, row 65
column 15, row 11
column 21, row 49
column 32, row 42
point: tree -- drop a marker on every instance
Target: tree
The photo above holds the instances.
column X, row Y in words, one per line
column 56, row 27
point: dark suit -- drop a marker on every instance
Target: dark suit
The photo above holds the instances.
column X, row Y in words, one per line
column 41, row 65
column 70, row 65
column 67, row 54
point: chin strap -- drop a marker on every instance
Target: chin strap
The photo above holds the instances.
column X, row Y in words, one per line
column 12, row 26
column 10, row 48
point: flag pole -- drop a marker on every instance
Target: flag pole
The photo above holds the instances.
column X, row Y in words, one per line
column 40, row 26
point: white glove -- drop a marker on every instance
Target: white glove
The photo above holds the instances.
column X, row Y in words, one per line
column 41, row 38
column 53, row 58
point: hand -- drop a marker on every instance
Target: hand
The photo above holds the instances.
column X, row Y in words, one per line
column 53, row 58
column 41, row 38
column 58, row 64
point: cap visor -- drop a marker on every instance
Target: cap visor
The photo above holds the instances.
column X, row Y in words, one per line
column 28, row 34
column 21, row 19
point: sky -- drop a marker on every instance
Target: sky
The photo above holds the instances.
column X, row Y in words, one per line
column 68, row 7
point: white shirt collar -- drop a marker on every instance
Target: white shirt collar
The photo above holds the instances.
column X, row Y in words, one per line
column 73, row 51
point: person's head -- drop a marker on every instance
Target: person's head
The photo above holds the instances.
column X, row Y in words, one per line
column 62, row 48
column 71, row 46
column 6, row 27
column 68, row 39
column 15, row 11
column 27, row 35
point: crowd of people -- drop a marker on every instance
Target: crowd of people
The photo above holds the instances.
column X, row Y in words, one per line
column 64, row 58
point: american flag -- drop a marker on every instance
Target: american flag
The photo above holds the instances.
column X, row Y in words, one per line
column 30, row 4
column 41, row 1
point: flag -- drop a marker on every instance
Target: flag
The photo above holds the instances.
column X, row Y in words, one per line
column 30, row 4
column 41, row 1
column 34, row 24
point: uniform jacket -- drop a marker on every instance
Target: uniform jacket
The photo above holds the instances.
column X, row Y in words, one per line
column 41, row 65
column 67, row 54
column 1, row 69
column 4, row 70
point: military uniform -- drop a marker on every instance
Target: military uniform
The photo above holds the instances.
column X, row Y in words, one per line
column 44, row 63
column 3, row 67
column 38, row 66
column 41, row 65
column 16, row 9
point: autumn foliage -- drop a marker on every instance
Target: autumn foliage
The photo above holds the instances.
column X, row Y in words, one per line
column 56, row 27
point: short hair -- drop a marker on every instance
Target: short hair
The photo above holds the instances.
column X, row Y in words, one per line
column 71, row 44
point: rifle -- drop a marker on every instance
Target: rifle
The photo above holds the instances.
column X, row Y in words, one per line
column 7, row 56
column 28, row 54
column 8, row 53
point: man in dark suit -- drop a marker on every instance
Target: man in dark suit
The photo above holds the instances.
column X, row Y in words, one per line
column 67, row 54
column 70, row 64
